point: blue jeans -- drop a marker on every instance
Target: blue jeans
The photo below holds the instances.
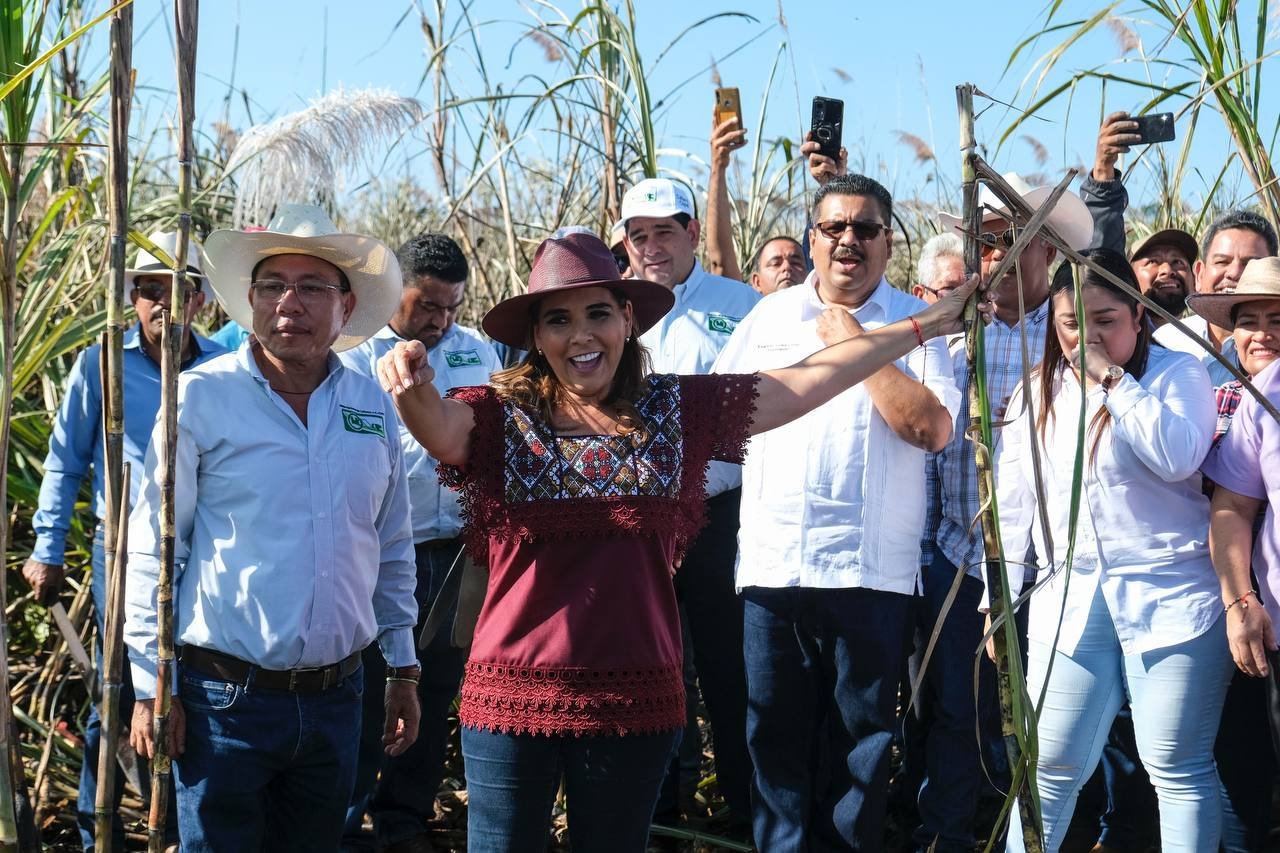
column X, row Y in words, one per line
column 400, row 793
column 822, row 684
column 265, row 769
column 957, row 768
column 611, row 785
column 88, row 795
column 1176, row 695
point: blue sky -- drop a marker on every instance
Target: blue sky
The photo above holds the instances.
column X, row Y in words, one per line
column 894, row 64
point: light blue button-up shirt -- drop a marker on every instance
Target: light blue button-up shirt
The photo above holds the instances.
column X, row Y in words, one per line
column 293, row 546
column 76, row 441
column 691, row 335
column 461, row 358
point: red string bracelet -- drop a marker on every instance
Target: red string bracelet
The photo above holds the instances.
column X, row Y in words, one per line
column 1242, row 601
column 916, row 325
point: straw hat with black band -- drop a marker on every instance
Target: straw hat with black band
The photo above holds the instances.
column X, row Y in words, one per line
column 571, row 263
column 1260, row 280
column 370, row 266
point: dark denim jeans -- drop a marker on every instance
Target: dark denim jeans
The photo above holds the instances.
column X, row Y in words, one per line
column 400, row 793
column 713, row 611
column 88, row 795
column 822, row 681
column 265, row 769
column 611, row 785
column 957, row 769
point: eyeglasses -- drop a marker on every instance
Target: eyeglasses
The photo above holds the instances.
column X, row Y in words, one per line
column 311, row 291
column 154, row 291
column 992, row 240
column 834, row 229
column 939, row 291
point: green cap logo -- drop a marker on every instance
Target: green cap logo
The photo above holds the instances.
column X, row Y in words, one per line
column 462, row 358
column 722, row 323
column 362, row 423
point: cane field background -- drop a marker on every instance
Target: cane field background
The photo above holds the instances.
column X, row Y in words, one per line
column 521, row 117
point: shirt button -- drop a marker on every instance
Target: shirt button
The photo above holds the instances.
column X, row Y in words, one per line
column 324, row 574
column 322, row 515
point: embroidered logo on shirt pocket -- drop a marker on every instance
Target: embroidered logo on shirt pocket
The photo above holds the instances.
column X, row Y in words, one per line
column 363, row 423
column 722, row 323
column 462, row 358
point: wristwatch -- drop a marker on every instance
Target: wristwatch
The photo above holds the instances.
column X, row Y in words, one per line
column 412, row 672
column 1111, row 377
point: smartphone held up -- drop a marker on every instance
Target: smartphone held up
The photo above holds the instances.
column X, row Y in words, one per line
column 729, row 106
column 826, row 125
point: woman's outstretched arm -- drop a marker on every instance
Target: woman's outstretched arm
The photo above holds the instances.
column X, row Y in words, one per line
column 790, row 392
column 442, row 426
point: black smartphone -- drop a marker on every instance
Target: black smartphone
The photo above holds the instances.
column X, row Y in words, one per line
column 827, row 124
column 1157, row 127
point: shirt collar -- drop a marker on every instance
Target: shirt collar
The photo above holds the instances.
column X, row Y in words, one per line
column 247, row 362
column 1034, row 317
column 878, row 300
column 133, row 340
column 386, row 333
column 685, row 289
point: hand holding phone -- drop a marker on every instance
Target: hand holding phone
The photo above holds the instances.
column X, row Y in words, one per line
column 826, row 126
column 1156, row 127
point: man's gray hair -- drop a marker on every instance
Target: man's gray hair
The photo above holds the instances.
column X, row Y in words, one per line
column 939, row 246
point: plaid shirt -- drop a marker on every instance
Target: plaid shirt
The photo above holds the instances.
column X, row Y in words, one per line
column 1228, row 397
column 953, row 483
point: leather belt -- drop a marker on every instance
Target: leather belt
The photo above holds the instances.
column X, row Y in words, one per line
column 228, row 668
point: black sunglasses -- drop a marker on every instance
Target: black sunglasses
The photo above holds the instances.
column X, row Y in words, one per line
column 834, row 229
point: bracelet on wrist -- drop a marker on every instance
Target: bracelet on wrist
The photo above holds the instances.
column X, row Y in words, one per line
column 1242, row 600
column 915, row 325
column 411, row 673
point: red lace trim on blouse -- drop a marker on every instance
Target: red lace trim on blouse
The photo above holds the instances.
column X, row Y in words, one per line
column 571, row 700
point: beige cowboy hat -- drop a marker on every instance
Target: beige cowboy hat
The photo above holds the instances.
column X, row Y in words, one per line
column 1070, row 219
column 167, row 241
column 568, row 263
column 1260, row 280
column 304, row 229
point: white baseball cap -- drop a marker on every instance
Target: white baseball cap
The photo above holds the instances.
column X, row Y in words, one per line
column 658, row 197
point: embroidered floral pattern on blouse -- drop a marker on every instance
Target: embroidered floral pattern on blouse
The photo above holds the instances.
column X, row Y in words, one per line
column 543, row 466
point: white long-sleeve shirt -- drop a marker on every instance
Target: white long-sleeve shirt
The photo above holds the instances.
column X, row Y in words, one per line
column 1143, row 526
column 293, row 545
column 689, row 337
column 834, row 499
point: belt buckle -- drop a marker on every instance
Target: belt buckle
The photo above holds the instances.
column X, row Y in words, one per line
column 293, row 681
column 324, row 679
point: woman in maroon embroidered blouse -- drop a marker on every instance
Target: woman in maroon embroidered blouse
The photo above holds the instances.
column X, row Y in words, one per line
column 582, row 480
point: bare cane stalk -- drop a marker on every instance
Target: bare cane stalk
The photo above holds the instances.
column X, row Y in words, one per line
column 113, row 418
column 186, row 14
column 1013, row 720
column 112, row 665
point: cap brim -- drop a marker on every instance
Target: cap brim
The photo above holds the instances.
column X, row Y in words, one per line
column 369, row 265
column 1175, row 237
column 511, row 320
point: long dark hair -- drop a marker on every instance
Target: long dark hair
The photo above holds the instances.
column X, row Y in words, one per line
column 1055, row 361
column 532, row 384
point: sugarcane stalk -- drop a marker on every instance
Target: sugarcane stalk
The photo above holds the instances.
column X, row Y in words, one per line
column 186, row 20
column 980, row 432
column 115, row 486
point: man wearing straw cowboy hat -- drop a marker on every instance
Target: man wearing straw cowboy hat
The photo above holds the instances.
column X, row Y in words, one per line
column 76, row 445
column 292, row 543
column 954, row 761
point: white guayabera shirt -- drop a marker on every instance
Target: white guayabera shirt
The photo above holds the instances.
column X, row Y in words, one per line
column 1143, row 529
column 292, row 546
column 461, row 358
column 834, row 499
column 691, row 335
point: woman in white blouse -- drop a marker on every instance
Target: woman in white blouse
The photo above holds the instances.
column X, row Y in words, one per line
column 1139, row 603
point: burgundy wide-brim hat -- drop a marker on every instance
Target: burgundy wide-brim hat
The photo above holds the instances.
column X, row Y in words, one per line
column 569, row 263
